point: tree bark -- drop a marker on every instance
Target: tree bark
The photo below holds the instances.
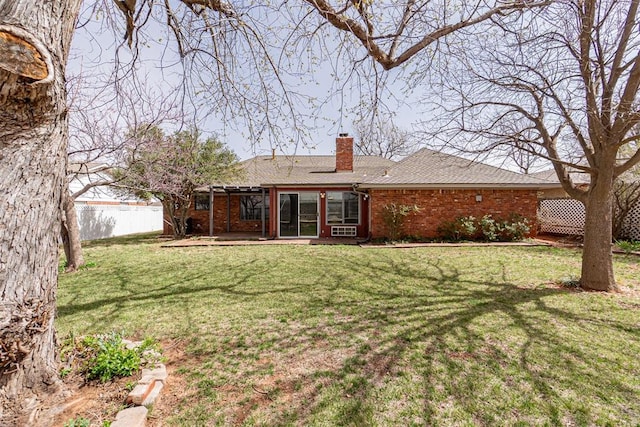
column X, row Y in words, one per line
column 597, row 259
column 71, row 234
column 34, row 43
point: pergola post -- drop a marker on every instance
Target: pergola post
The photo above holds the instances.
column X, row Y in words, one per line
column 263, row 213
column 228, row 212
column 210, row 211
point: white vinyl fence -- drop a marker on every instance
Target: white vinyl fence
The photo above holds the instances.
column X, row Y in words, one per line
column 100, row 221
column 566, row 216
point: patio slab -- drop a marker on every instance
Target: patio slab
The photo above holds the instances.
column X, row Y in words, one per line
column 216, row 241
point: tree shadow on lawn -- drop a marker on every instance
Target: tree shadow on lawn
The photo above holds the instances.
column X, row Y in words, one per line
column 127, row 240
column 438, row 336
column 422, row 344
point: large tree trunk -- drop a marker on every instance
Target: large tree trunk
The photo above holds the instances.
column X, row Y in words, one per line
column 34, row 42
column 71, row 234
column 597, row 260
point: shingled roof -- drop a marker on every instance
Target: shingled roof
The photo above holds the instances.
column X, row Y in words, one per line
column 307, row 170
column 423, row 169
column 431, row 169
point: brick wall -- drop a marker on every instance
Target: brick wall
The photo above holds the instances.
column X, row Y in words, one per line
column 344, row 154
column 438, row 206
column 200, row 218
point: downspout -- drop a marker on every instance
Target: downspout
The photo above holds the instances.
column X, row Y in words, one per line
column 366, row 196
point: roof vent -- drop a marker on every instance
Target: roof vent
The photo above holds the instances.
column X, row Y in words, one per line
column 343, row 135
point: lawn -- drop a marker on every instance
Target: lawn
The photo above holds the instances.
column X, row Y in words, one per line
column 341, row 335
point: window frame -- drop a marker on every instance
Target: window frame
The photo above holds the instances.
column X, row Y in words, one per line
column 342, row 208
column 196, row 204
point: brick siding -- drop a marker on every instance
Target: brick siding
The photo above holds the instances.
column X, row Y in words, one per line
column 438, row 206
column 200, row 218
column 344, row 154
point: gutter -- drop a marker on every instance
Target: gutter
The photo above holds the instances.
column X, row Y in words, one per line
column 540, row 186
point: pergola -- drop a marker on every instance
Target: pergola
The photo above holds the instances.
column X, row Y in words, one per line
column 228, row 190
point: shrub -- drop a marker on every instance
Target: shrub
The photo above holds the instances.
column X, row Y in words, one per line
column 462, row 228
column 516, row 227
column 394, row 215
column 489, row 228
column 486, row 228
column 106, row 356
column 111, row 359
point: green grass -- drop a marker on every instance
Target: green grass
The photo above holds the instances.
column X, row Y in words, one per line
column 340, row 335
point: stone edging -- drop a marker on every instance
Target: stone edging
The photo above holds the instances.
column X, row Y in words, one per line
column 144, row 394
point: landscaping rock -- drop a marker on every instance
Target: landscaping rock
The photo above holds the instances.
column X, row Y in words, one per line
column 140, row 392
column 130, row 345
column 131, row 417
column 154, row 395
column 159, row 373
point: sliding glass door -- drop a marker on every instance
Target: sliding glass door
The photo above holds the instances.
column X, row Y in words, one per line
column 298, row 214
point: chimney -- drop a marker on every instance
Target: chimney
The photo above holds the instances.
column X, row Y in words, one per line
column 344, row 153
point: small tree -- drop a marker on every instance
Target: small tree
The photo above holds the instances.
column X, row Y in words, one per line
column 394, row 216
column 170, row 168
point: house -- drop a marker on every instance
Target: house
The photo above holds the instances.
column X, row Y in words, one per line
column 103, row 212
column 345, row 195
column 579, row 178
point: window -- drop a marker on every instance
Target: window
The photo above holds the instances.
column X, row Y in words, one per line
column 343, row 208
column 201, row 201
column 251, row 208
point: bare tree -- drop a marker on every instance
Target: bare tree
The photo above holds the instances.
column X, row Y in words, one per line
column 626, row 196
column 98, row 141
column 561, row 83
column 382, row 138
column 626, row 193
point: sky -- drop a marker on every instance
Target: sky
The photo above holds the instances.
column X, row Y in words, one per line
column 93, row 56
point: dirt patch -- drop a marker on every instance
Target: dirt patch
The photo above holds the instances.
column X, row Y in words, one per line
column 94, row 401
column 176, row 390
column 100, row 402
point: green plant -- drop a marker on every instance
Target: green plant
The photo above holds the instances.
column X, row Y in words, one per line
column 628, row 246
column 78, row 422
column 64, row 372
column 111, row 359
column 394, row 215
column 486, row 228
column 515, row 228
column 87, row 265
column 461, row 228
column 490, row 229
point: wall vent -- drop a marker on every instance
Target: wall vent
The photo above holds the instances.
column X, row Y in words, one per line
column 344, row 231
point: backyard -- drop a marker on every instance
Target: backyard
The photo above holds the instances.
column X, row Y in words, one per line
column 342, row 335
